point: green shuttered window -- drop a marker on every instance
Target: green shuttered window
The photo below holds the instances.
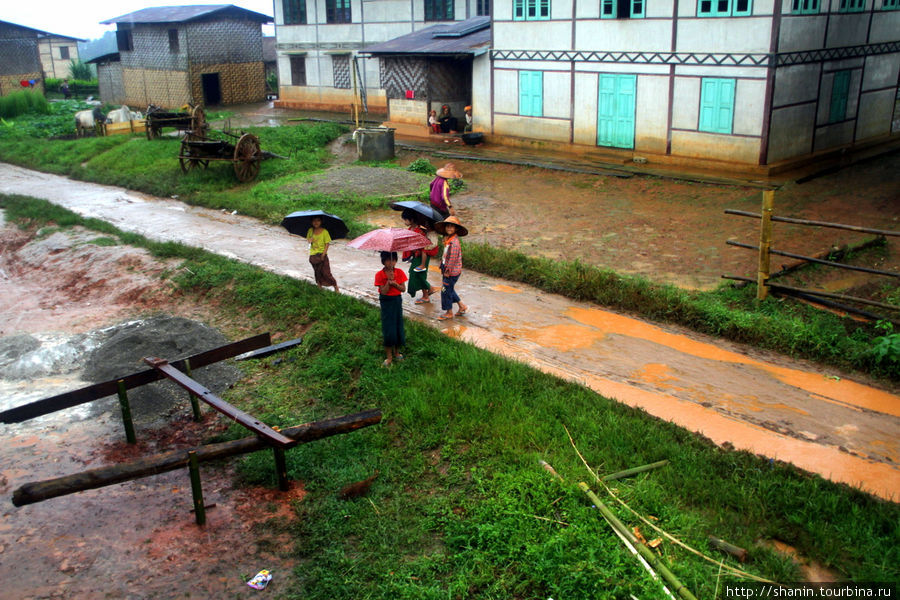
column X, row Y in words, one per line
column 531, row 10
column 724, row 8
column 852, row 6
column 805, row 7
column 531, row 93
column 716, row 104
column 840, row 90
column 621, row 9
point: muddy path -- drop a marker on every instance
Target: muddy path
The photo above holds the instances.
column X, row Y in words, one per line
column 817, row 418
column 64, row 292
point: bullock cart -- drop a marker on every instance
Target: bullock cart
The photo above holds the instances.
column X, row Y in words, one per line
column 245, row 154
column 157, row 118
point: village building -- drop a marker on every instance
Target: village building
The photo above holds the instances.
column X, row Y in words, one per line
column 28, row 54
column 762, row 83
column 319, row 42
column 177, row 55
column 57, row 53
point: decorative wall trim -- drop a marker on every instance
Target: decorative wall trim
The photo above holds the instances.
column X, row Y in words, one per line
column 729, row 59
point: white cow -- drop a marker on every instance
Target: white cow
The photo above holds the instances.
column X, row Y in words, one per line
column 120, row 115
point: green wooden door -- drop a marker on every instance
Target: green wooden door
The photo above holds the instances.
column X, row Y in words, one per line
column 615, row 110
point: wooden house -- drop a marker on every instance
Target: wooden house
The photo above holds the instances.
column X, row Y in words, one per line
column 175, row 55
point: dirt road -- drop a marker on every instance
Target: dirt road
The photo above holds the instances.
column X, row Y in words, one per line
column 815, row 418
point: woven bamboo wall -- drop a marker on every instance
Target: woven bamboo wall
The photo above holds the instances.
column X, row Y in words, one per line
column 167, row 89
column 401, row 74
column 10, row 83
column 240, row 82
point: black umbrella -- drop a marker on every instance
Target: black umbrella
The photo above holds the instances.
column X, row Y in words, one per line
column 421, row 209
column 300, row 222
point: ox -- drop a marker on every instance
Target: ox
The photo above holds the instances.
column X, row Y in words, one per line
column 122, row 115
column 86, row 120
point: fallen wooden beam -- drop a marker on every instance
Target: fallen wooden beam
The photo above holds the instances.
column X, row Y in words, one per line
column 235, row 414
column 37, row 491
column 111, row 387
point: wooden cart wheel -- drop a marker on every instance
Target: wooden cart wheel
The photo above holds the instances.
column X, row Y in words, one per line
column 187, row 162
column 198, row 120
column 247, row 156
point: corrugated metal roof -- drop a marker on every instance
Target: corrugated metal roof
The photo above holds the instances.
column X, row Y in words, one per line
column 471, row 36
column 182, row 14
column 41, row 32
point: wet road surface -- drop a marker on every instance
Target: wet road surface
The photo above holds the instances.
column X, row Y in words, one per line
column 811, row 416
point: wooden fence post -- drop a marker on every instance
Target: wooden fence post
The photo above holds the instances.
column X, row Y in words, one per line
column 126, row 413
column 765, row 240
column 195, row 404
column 196, row 488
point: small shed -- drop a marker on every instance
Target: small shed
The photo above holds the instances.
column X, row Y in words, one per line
column 437, row 65
column 20, row 59
column 175, row 55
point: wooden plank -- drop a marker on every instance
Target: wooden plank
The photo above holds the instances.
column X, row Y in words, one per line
column 38, row 491
column 137, row 126
column 234, row 413
column 108, row 388
column 268, row 350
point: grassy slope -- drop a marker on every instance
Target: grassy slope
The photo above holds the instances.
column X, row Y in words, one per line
column 461, row 508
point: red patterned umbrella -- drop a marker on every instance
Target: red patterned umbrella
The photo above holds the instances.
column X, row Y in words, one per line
column 390, row 239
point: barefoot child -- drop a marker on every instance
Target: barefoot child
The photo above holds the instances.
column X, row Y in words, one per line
column 319, row 240
column 432, row 122
column 391, row 283
column 451, row 266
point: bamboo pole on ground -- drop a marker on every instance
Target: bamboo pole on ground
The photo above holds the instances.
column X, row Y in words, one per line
column 635, row 470
column 645, row 552
column 619, row 534
column 765, row 240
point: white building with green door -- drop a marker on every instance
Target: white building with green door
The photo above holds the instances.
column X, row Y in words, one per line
column 763, row 84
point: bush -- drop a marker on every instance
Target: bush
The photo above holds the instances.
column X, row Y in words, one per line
column 23, row 102
column 422, row 165
column 79, row 69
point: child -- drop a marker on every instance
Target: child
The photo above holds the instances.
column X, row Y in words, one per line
column 468, row 119
column 433, row 123
column 451, row 266
column 419, row 259
column 319, row 239
column 391, row 283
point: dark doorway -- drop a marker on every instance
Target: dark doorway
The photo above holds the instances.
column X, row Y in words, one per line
column 212, row 89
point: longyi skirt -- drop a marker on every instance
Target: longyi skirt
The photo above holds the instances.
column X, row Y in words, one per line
column 392, row 320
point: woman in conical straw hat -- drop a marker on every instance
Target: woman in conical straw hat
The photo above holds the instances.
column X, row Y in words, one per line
column 451, row 266
column 440, row 189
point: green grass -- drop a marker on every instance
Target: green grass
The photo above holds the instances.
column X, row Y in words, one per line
column 460, row 508
column 781, row 325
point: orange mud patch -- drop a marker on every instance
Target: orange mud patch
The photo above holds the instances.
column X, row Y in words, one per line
column 506, row 289
column 564, row 337
column 842, row 391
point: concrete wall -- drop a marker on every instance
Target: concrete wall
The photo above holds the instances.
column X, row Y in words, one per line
column 51, row 61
